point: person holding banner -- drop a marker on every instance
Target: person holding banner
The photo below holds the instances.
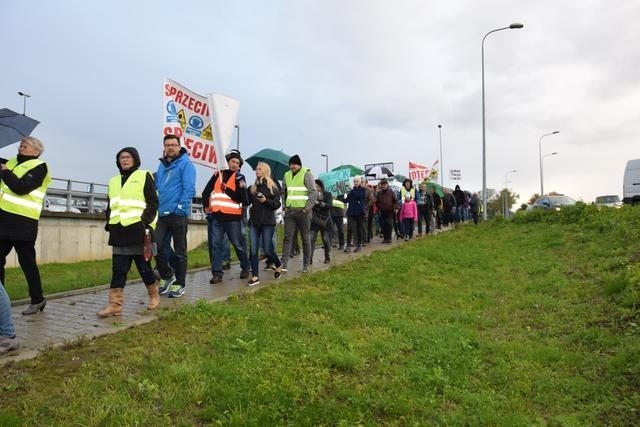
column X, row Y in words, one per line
column 226, row 192
column 299, row 191
column 176, row 183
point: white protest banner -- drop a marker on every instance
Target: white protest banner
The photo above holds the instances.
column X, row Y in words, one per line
column 417, row 172
column 187, row 115
column 224, row 113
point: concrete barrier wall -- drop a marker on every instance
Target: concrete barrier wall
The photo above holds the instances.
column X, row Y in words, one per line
column 68, row 237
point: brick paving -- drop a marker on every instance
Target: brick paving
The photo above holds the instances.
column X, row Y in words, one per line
column 70, row 318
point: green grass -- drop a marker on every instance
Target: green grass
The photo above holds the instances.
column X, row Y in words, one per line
column 533, row 321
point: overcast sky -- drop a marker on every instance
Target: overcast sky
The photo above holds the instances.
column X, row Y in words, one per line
column 363, row 81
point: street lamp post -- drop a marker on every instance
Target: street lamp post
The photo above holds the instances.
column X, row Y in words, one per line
column 326, row 162
column 505, row 201
column 441, row 167
column 541, row 170
column 540, row 154
column 484, row 138
column 24, row 104
column 237, row 126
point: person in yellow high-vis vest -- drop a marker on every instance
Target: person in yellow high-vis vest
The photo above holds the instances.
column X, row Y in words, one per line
column 300, row 194
column 25, row 179
column 132, row 213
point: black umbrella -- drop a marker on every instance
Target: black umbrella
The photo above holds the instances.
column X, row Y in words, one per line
column 14, row 126
column 378, row 172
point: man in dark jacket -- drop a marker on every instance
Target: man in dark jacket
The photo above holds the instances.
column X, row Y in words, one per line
column 387, row 206
column 25, row 179
column 225, row 194
column 448, row 207
column 321, row 221
column 460, row 202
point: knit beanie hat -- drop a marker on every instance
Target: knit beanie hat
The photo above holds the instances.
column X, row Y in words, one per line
column 295, row 160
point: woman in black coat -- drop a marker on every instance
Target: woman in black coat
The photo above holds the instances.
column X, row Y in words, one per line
column 264, row 197
column 321, row 221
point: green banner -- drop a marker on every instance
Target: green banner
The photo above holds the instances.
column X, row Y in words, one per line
column 336, row 182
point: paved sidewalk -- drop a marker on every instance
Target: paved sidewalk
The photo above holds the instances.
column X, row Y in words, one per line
column 70, row 318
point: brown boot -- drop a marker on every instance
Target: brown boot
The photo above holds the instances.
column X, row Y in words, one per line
column 116, row 297
column 154, row 296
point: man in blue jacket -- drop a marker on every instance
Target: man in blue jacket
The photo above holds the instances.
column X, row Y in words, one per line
column 176, row 184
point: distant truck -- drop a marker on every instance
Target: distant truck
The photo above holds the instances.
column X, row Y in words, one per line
column 631, row 184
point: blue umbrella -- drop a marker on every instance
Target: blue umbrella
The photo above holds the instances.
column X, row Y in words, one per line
column 14, row 126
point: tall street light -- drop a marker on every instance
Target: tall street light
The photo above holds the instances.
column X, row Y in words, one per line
column 24, row 104
column 441, row 167
column 540, row 154
column 326, row 162
column 237, row 126
column 505, row 202
column 513, row 26
column 541, row 171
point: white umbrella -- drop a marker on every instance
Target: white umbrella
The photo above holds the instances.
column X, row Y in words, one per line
column 378, row 172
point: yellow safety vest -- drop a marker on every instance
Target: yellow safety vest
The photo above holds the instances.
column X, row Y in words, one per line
column 337, row 204
column 297, row 193
column 403, row 191
column 27, row 205
column 127, row 202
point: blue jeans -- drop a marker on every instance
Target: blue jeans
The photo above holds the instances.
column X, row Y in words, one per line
column 226, row 253
column 233, row 230
column 262, row 237
column 6, row 324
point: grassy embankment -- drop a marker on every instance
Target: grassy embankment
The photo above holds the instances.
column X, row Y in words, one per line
column 533, row 321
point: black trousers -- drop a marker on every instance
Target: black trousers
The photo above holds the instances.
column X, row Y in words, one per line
column 121, row 264
column 26, row 251
column 386, row 222
column 338, row 221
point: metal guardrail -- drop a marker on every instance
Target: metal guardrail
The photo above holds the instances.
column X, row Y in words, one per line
column 67, row 195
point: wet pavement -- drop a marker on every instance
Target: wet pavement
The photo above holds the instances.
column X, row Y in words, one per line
column 71, row 317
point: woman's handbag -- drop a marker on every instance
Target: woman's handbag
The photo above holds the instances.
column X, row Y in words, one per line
column 319, row 219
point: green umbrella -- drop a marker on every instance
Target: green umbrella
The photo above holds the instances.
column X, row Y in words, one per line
column 400, row 178
column 276, row 159
column 353, row 170
column 437, row 187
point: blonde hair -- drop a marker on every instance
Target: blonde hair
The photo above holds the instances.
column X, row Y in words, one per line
column 34, row 143
column 266, row 178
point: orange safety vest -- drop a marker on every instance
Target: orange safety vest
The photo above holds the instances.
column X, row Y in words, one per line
column 220, row 202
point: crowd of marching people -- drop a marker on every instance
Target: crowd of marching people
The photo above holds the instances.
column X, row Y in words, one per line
column 147, row 218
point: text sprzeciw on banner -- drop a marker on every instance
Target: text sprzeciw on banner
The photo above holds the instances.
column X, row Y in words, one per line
column 188, row 115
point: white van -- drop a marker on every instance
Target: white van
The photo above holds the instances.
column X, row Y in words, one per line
column 631, row 185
